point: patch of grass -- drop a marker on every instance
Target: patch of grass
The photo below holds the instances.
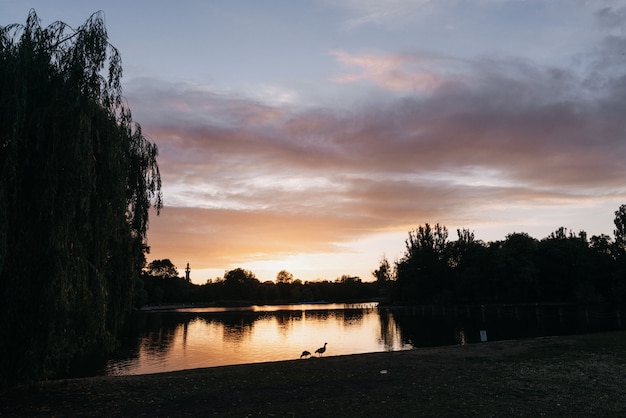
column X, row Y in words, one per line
column 556, row 376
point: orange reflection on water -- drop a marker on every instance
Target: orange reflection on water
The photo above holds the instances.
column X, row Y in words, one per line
column 207, row 337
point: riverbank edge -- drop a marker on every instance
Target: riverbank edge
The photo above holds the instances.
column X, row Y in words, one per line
column 243, row 304
column 557, row 376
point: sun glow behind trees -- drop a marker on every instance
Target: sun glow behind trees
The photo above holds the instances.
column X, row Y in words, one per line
column 349, row 122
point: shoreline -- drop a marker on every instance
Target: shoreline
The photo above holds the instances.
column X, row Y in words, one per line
column 239, row 304
column 577, row 375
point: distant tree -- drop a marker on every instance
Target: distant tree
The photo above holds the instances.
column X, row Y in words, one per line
column 163, row 284
column 346, row 278
column 426, row 239
column 240, row 284
column 460, row 248
column 617, row 287
column 620, row 229
column 422, row 274
column 469, row 261
column 601, row 243
column 239, row 276
column 284, row 276
column 563, row 233
column 384, row 272
column 567, row 268
column 560, row 233
column 563, row 267
column 515, row 271
column 162, row 268
column 77, row 178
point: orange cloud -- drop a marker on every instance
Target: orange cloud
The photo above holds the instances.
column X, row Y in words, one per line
column 245, row 180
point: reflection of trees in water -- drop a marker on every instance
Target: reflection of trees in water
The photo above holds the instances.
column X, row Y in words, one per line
column 431, row 325
column 161, row 329
column 235, row 325
column 286, row 320
column 389, row 332
column 349, row 316
column 423, row 330
column 320, row 315
column 420, row 326
column 154, row 332
column 236, row 333
column 426, row 326
column 185, row 331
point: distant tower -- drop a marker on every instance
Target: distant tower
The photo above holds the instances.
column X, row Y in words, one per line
column 187, row 271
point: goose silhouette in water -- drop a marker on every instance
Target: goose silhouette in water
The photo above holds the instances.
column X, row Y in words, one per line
column 305, row 354
column 321, row 350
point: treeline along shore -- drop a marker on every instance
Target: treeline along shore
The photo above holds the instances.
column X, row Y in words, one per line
column 564, row 267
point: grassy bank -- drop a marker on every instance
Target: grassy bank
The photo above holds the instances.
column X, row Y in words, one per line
column 556, row 376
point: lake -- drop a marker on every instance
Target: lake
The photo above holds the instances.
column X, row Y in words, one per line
column 192, row 337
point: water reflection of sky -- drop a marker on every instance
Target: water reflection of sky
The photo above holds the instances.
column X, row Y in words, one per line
column 192, row 338
column 207, row 337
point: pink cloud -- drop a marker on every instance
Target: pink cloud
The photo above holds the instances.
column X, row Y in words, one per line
column 248, row 180
column 390, row 71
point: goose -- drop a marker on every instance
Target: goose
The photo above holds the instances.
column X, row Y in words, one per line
column 321, row 350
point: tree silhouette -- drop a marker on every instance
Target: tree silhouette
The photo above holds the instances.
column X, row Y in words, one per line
column 384, row 272
column 240, row 284
column 422, row 273
column 162, row 268
column 284, row 276
column 564, row 267
column 77, row 178
column 620, row 229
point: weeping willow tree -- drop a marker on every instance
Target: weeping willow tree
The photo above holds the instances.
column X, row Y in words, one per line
column 77, row 179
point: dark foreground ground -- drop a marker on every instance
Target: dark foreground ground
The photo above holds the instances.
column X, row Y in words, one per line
column 556, row 376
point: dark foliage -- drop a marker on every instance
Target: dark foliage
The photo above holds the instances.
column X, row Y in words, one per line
column 161, row 268
column 563, row 268
column 240, row 286
column 77, row 178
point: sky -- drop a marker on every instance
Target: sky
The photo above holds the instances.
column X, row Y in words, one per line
column 311, row 136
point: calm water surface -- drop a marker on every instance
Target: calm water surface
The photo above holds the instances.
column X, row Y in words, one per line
column 205, row 337
column 189, row 338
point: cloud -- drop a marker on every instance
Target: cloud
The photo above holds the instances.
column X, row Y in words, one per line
column 524, row 124
column 247, row 180
column 391, row 71
column 393, row 12
column 609, row 17
column 381, row 11
column 218, row 237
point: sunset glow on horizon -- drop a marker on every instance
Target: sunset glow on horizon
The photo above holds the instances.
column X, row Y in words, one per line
column 312, row 136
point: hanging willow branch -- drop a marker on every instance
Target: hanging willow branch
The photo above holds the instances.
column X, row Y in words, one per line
column 77, row 180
